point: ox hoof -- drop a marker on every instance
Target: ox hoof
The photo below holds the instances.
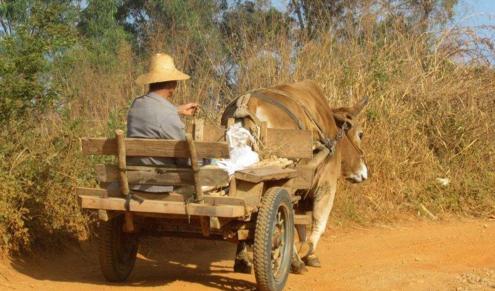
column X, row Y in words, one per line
column 243, row 266
column 312, row 261
column 298, row 267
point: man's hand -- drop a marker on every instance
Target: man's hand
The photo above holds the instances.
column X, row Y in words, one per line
column 187, row 109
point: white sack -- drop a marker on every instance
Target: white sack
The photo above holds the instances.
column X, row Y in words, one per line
column 241, row 153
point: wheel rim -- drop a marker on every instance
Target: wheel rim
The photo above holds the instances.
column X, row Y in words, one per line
column 279, row 242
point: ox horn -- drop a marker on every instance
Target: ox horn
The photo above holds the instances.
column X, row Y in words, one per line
column 356, row 109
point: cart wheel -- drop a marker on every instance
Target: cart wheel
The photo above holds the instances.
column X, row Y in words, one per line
column 117, row 250
column 273, row 240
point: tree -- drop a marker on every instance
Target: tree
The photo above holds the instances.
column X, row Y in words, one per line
column 102, row 34
column 34, row 34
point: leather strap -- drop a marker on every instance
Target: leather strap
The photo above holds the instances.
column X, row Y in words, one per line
column 280, row 105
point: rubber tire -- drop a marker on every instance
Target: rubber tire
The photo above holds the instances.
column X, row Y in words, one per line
column 272, row 200
column 116, row 263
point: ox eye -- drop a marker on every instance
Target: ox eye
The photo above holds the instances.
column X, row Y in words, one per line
column 361, row 135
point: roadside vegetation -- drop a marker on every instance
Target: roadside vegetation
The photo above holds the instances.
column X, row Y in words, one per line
column 67, row 70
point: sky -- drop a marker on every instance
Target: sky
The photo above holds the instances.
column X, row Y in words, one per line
column 468, row 12
column 476, row 12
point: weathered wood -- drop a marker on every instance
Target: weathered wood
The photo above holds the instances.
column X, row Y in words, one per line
column 250, row 192
column 140, row 147
column 103, row 214
column 169, row 207
column 287, row 184
column 170, row 197
column 232, row 186
column 257, row 175
column 199, row 125
column 304, row 178
column 195, row 167
column 121, row 154
column 318, row 158
column 303, row 219
column 289, row 143
column 198, row 194
column 306, row 172
column 205, row 130
column 162, row 176
column 213, row 132
column 124, row 184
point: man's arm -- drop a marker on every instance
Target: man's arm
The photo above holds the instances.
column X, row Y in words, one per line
column 188, row 109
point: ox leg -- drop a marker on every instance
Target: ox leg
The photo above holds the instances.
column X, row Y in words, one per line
column 301, row 232
column 322, row 207
column 242, row 262
column 305, row 246
column 297, row 262
column 297, row 265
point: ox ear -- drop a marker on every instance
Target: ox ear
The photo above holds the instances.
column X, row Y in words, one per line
column 358, row 107
column 347, row 114
column 342, row 116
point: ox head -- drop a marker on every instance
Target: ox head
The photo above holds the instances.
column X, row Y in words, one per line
column 354, row 168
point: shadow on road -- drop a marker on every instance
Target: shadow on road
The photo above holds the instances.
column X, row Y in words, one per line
column 160, row 262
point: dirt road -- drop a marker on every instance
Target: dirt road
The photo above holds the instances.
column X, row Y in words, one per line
column 457, row 255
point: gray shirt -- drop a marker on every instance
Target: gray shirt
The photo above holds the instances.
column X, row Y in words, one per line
column 152, row 116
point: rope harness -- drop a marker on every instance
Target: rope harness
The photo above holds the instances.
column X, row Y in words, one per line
column 242, row 111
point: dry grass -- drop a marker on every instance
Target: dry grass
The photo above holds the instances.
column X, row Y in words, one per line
column 429, row 117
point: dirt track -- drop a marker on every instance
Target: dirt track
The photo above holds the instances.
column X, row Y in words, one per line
column 420, row 256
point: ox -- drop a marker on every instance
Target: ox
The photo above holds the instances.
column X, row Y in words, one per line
column 303, row 105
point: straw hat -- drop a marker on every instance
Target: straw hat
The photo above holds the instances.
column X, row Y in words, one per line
column 162, row 69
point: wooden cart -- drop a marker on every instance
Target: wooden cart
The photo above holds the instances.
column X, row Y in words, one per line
column 257, row 207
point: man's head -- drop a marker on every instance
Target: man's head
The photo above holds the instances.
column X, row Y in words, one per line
column 165, row 89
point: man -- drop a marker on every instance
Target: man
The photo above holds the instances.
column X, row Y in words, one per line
column 153, row 115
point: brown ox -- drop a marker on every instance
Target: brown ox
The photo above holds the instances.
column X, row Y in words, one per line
column 347, row 160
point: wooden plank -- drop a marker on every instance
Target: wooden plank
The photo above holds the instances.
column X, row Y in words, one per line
column 199, row 125
column 250, row 192
column 169, row 207
column 213, row 132
column 318, row 158
column 195, row 167
column 124, row 184
column 289, row 143
column 162, row 176
column 198, row 194
column 306, row 172
column 171, row 197
column 140, row 147
column 257, row 175
column 303, row 219
column 304, row 178
column 232, row 186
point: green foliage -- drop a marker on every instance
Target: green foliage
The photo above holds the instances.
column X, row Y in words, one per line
column 102, row 34
column 35, row 34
